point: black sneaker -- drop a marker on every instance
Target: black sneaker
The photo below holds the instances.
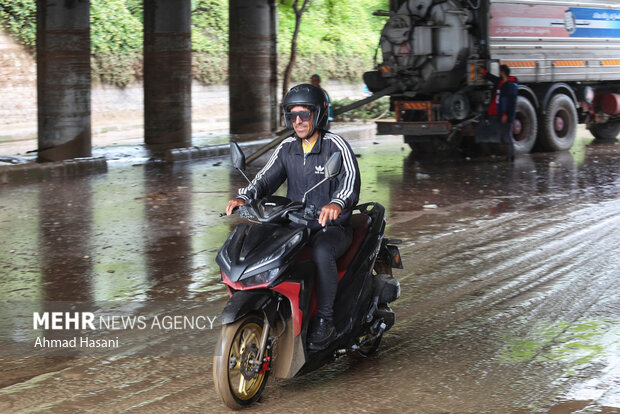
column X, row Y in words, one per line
column 321, row 334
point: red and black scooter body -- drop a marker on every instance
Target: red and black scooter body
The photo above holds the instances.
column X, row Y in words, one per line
column 269, row 271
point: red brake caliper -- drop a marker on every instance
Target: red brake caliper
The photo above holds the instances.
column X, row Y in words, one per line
column 265, row 366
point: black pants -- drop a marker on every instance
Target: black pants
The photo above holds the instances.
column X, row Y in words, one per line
column 488, row 129
column 507, row 138
column 328, row 244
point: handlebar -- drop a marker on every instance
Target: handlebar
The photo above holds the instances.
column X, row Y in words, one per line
column 310, row 213
column 298, row 219
column 295, row 212
column 235, row 210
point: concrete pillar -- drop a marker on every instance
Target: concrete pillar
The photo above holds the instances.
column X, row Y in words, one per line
column 250, row 65
column 273, row 56
column 63, row 79
column 167, row 72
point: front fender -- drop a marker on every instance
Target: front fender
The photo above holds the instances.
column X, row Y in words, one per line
column 246, row 301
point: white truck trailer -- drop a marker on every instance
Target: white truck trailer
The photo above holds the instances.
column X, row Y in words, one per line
column 565, row 54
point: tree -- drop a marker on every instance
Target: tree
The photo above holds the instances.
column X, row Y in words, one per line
column 291, row 63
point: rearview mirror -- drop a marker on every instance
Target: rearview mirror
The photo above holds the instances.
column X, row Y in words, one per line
column 238, row 161
column 237, row 157
column 333, row 165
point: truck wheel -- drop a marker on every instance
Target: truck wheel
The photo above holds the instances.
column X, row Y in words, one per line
column 607, row 132
column 525, row 126
column 560, row 124
column 236, row 382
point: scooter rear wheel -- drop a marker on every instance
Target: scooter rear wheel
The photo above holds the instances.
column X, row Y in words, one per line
column 236, row 382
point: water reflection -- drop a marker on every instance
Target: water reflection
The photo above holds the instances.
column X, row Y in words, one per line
column 118, row 227
column 65, row 245
column 168, row 241
column 152, row 231
column 562, row 172
column 449, row 181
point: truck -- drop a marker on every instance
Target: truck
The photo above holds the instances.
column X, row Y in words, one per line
column 565, row 55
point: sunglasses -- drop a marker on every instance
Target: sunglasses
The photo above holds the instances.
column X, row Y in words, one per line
column 303, row 115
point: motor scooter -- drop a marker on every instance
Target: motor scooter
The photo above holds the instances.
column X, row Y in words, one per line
column 268, row 270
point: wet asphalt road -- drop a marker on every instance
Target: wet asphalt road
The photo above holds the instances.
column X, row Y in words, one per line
column 509, row 304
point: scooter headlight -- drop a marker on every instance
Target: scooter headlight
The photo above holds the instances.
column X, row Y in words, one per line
column 261, row 278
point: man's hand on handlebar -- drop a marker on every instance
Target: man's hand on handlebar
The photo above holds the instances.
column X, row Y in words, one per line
column 232, row 204
column 329, row 212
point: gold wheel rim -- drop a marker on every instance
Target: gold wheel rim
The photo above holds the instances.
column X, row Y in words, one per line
column 244, row 348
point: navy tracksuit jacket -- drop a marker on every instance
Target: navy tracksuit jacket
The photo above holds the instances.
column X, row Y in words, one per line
column 288, row 162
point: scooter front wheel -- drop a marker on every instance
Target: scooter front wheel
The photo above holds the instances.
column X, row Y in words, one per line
column 234, row 364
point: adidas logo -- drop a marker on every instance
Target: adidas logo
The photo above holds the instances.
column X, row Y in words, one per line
column 319, row 169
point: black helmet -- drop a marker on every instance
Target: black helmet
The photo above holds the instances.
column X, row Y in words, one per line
column 310, row 96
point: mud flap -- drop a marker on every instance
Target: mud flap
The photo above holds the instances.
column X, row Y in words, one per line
column 488, row 130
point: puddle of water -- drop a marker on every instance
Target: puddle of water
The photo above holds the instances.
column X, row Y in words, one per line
column 563, row 342
column 574, row 407
column 586, row 349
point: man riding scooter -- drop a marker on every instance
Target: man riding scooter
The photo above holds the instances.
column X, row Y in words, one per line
column 300, row 159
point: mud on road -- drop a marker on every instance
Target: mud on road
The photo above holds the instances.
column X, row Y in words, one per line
column 509, row 299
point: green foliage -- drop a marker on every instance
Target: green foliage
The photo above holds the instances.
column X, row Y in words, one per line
column 372, row 110
column 118, row 69
column 210, row 26
column 116, row 44
column 333, row 27
column 19, row 17
column 117, row 30
column 337, row 38
column 210, row 41
column 136, row 9
column 210, row 68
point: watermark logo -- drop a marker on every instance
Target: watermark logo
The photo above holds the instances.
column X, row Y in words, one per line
column 181, row 328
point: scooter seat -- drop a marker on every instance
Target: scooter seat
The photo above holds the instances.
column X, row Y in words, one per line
column 360, row 223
